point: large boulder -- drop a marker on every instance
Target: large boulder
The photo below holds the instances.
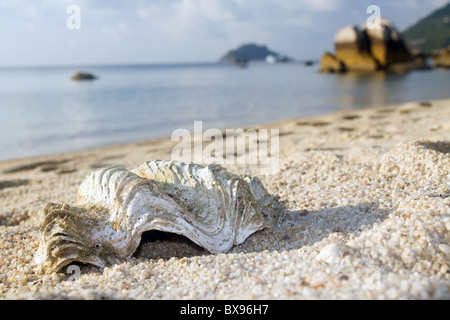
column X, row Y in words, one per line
column 370, row 50
column 329, row 64
column 387, row 45
column 352, row 47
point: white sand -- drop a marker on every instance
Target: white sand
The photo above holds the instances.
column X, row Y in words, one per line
column 369, row 218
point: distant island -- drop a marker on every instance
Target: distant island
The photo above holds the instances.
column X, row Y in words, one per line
column 253, row 52
column 431, row 33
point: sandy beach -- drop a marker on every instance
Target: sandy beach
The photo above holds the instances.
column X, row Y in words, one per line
column 368, row 217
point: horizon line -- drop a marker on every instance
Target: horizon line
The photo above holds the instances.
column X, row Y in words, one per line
column 131, row 64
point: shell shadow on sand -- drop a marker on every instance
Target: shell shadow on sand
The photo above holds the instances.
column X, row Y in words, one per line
column 298, row 228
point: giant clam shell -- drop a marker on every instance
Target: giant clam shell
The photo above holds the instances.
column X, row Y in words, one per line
column 211, row 206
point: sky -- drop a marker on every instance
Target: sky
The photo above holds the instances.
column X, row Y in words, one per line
column 36, row 32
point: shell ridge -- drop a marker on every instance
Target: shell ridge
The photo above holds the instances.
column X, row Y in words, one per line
column 186, row 173
column 205, row 176
column 131, row 195
column 99, row 178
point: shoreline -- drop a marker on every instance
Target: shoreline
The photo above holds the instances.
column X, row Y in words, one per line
column 375, row 113
column 368, row 204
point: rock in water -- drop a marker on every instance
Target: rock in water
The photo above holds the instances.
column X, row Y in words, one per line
column 352, row 47
column 370, row 50
column 386, row 44
column 442, row 60
column 209, row 205
column 329, row 64
column 81, row 76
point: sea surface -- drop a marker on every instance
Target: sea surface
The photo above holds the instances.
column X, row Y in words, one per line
column 42, row 111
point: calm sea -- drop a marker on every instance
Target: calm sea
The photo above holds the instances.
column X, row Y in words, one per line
column 42, row 111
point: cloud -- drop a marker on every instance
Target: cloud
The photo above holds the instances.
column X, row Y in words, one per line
column 185, row 20
column 226, row 19
column 324, row 5
column 302, row 22
column 187, row 30
column 291, row 5
column 115, row 32
column 222, row 24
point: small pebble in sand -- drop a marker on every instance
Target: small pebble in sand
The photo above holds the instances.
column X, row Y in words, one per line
column 332, row 252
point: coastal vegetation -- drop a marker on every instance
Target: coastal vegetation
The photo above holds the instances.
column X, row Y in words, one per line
column 430, row 33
